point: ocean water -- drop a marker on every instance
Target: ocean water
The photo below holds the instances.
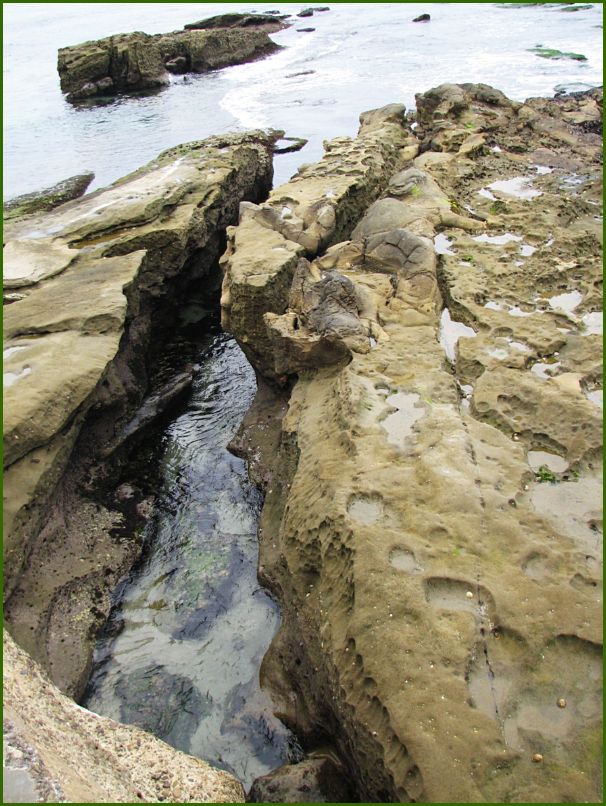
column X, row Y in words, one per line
column 360, row 56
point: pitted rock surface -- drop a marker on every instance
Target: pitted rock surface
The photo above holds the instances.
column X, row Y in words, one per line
column 441, row 597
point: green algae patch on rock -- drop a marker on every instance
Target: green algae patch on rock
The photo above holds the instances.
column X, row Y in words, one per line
column 49, row 198
column 552, row 53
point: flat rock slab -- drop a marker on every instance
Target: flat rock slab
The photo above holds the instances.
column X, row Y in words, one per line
column 27, row 262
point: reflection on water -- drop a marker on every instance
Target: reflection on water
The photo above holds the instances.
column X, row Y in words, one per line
column 194, row 622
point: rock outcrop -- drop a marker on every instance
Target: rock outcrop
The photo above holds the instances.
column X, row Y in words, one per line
column 139, row 61
column 267, row 22
column 317, row 208
column 49, row 198
column 97, row 277
column 56, row 751
column 432, row 521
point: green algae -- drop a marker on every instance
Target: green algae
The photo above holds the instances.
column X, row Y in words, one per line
column 552, row 53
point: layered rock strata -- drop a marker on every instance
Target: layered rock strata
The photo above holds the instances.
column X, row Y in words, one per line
column 97, row 278
column 428, row 435
column 56, row 751
column 139, row 61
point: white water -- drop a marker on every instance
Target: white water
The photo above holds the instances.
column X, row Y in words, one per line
column 362, row 55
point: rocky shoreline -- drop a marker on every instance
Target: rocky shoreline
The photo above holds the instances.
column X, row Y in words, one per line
column 421, row 308
column 143, row 62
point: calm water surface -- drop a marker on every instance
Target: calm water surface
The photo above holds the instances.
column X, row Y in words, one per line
column 195, row 623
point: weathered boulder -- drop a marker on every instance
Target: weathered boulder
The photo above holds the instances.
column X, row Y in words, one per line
column 107, row 66
column 49, row 198
column 139, row 61
column 57, row 751
column 432, row 521
column 97, row 275
column 214, row 49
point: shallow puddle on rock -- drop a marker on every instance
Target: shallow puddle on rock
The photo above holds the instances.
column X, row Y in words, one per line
column 399, row 423
column 593, row 323
column 566, row 302
column 6, row 354
column 451, row 332
column 515, row 310
column 518, row 186
column 10, row 378
column 442, row 244
column 572, row 506
column 520, row 346
column 404, row 560
column 545, row 371
column 555, row 463
column 526, row 250
column 195, row 624
column 366, row 509
column 452, row 594
column 596, row 397
column 498, row 240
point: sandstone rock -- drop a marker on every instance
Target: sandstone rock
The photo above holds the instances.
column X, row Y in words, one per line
column 58, row 751
column 315, row 209
column 440, row 596
column 75, row 375
column 129, row 61
column 49, row 198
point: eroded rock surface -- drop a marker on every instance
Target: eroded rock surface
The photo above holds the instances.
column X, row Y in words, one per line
column 440, row 583
column 140, row 61
column 98, row 277
column 56, row 751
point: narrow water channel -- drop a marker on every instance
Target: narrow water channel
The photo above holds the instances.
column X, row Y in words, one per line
column 193, row 624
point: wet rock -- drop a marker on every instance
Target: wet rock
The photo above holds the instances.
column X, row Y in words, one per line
column 305, row 30
column 57, row 751
column 422, row 18
column 177, row 66
column 297, row 144
column 315, row 780
column 48, row 199
column 306, row 12
column 153, row 406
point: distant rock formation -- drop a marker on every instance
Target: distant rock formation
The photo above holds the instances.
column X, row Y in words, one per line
column 138, row 61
